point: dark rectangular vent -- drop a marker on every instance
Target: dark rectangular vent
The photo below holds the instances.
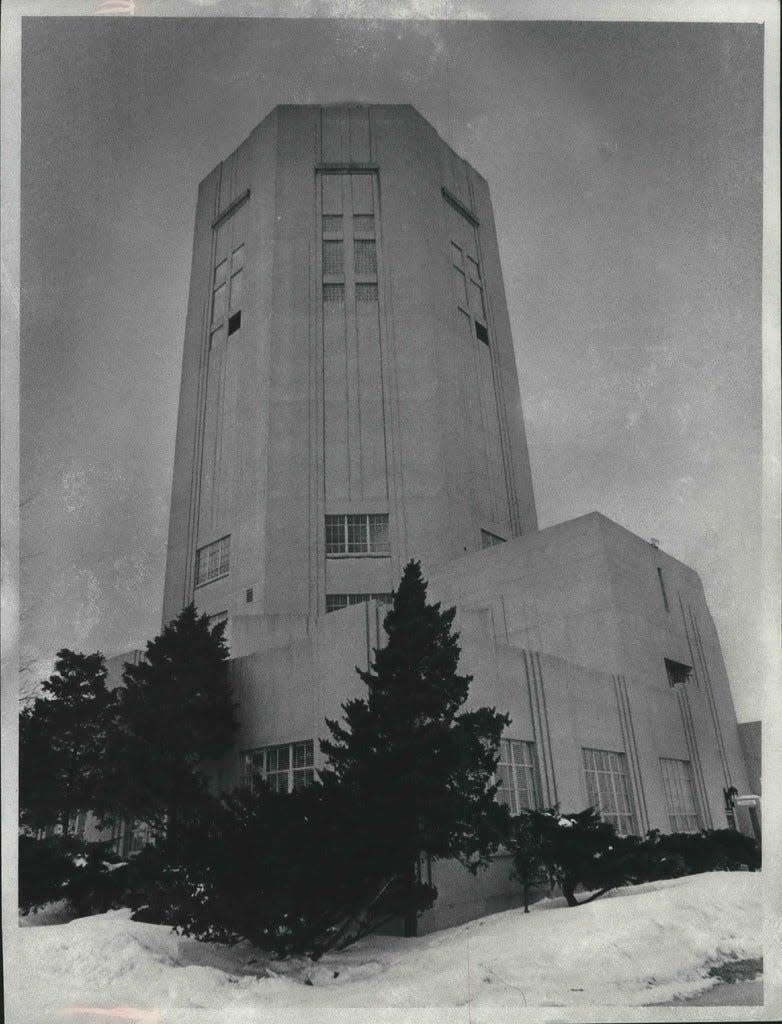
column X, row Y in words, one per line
column 249, row 595
column 480, row 333
column 234, row 323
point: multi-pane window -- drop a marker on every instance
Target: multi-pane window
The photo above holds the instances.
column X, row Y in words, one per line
column 488, row 540
column 213, row 561
column 680, row 795
column 365, row 256
column 333, row 293
column 518, row 776
column 362, row 534
column 364, row 224
column 467, row 283
column 676, row 672
column 284, row 767
column 333, row 257
column 332, row 224
column 366, row 292
column 336, row 601
column 227, row 295
column 607, row 788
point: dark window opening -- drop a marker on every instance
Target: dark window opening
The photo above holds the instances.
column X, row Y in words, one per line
column 662, row 588
column 249, row 594
column 677, row 673
column 480, row 333
column 234, row 322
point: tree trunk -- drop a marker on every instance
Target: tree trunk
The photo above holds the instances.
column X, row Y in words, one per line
column 526, row 897
column 411, row 913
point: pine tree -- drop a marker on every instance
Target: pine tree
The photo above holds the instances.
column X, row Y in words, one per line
column 419, row 769
column 62, row 741
column 175, row 711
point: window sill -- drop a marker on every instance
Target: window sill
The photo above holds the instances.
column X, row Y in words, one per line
column 214, row 579
column 359, row 554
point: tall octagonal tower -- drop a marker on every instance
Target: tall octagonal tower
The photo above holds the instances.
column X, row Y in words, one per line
column 349, row 394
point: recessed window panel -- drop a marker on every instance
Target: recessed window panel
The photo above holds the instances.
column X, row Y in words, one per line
column 481, row 333
column 237, row 259
column 334, row 602
column 221, row 273
column 234, row 323
column 473, row 269
column 477, row 308
column 677, row 672
column 332, row 224
column 333, row 293
column 365, row 256
column 364, row 224
column 333, row 257
column 489, row 540
column 459, row 286
column 218, row 303
column 236, row 291
column 366, row 292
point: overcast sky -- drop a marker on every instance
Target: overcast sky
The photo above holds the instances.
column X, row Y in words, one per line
column 625, row 166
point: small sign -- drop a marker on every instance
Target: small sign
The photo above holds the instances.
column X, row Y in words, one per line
column 746, row 801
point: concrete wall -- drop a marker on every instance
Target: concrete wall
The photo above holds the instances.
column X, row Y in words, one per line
column 586, row 586
column 281, row 423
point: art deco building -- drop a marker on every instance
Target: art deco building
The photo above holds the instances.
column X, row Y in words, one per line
column 349, row 401
column 349, row 393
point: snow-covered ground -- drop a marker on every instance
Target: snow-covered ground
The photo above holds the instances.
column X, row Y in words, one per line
column 640, row 945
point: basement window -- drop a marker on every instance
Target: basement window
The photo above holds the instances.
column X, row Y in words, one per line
column 234, row 323
column 677, row 672
column 481, row 333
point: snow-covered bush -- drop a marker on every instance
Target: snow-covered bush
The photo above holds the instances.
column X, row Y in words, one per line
column 570, row 850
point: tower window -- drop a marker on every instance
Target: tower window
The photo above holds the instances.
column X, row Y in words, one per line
column 366, row 293
column 662, row 588
column 213, row 561
column 333, row 293
column 365, row 256
column 333, row 257
column 364, row 224
column 481, row 333
column 234, row 323
column 607, row 789
column 332, row 224
column 676, row 672
column 362, row 534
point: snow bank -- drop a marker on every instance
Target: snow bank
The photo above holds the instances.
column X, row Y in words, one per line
column 646, row 944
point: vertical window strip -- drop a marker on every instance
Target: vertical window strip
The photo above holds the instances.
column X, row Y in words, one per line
column 365, row 256
column 662, row 588
column 517, row 771
column 333, row 257
column 607, row 788
column 332, row 224
column 680, row 794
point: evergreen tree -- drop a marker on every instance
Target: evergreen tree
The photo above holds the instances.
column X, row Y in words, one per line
column 175, row 711
column 418, row 768
column 62, row 741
